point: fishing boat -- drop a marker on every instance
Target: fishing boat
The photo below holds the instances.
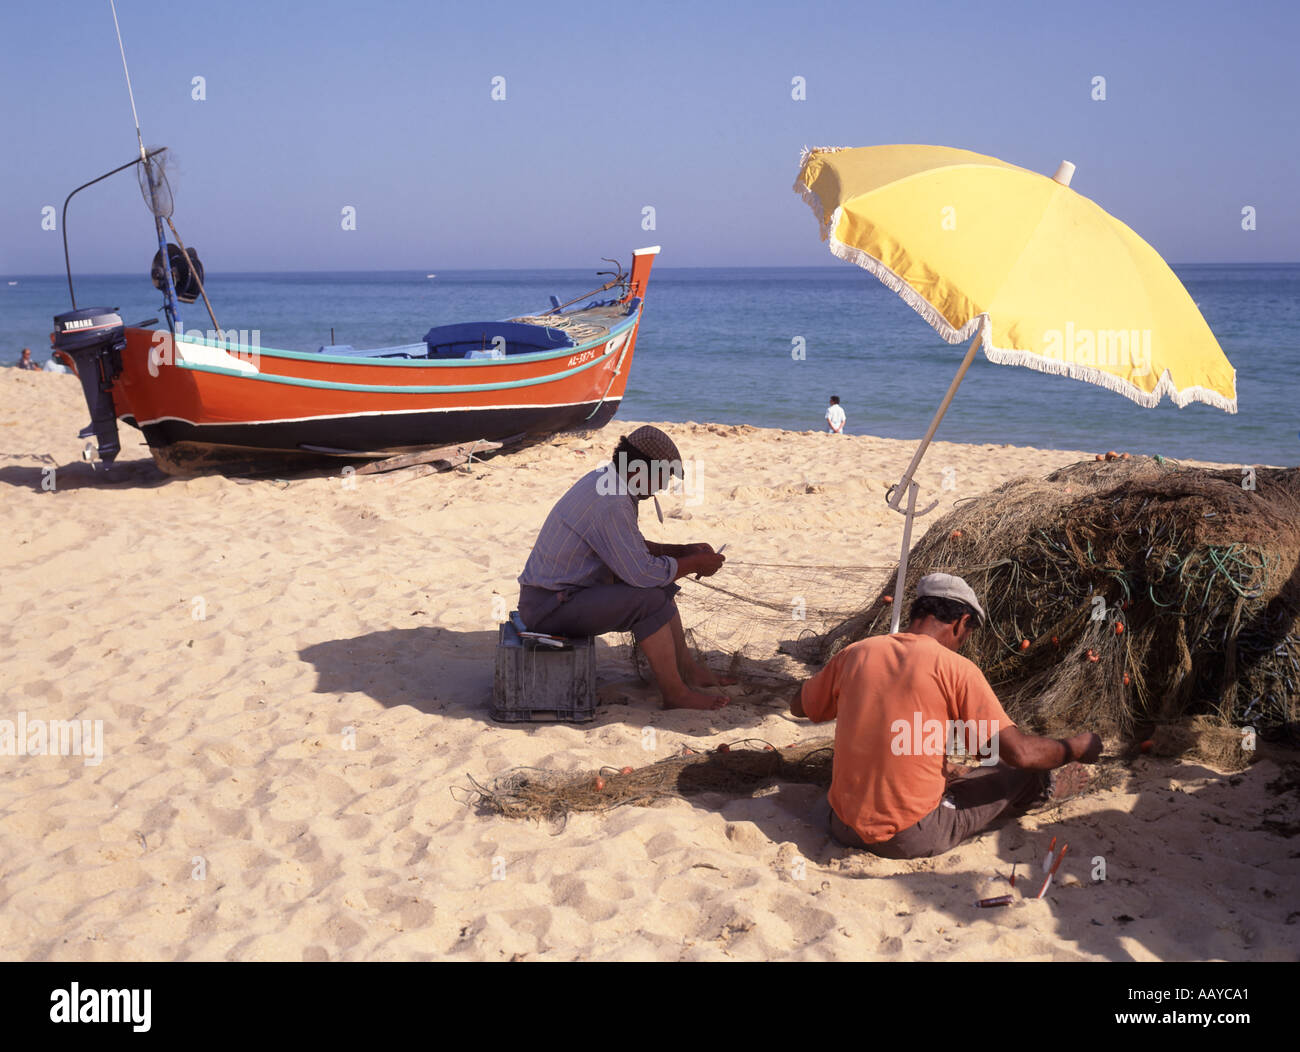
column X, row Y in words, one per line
column 217, row 399
column 204, row 402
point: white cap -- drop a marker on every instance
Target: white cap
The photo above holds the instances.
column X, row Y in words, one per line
column 947, row 586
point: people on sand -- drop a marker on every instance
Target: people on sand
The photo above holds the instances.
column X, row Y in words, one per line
column 25, row 360
column 902, row 703
column 591, row 571
column 835, row 416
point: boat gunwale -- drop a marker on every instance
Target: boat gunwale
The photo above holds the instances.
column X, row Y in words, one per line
column 412, row 389
column 322, row 384
column 419, row 363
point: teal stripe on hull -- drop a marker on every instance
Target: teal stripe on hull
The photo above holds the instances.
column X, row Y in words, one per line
column 352, row 359
column 331, row 385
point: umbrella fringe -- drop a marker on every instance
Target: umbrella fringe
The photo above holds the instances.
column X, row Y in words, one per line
column 814, row 202
column 909, row 295
column 808, row 194
column 1090, row 374
column 808, row 151
column 1029, row 359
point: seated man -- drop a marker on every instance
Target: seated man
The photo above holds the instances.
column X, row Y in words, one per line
column 592, row 572
column 897, row 700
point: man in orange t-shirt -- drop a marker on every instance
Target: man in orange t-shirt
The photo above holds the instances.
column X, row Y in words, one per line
column 902, row 703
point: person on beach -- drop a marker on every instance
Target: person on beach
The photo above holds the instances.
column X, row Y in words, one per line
column 897, row 700
column 25, row 360
column 835, row 416
column 591, row 571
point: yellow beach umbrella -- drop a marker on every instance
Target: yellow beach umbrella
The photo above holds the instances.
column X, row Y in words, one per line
column 1022, row 266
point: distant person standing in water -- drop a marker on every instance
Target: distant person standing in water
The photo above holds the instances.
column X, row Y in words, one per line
column 26, row 362
column 835, row 416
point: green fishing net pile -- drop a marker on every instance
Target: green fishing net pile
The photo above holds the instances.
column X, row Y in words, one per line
column 1124, row 593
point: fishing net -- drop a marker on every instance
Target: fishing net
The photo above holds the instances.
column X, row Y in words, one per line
column 154, row 184
column 766, row 622
column 1157, row 602
column 1125, row 593
column 738, row 769
column 744, row 768
column 579, row 332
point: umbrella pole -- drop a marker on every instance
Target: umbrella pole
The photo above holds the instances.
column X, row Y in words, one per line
column 905, row 483
column 901, row 582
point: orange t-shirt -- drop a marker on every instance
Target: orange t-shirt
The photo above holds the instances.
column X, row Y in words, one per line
column 899, row 701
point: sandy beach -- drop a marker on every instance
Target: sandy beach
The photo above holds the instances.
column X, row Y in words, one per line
column 293, row 679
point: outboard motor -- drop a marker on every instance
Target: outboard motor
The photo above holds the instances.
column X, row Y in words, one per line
column 94, row 338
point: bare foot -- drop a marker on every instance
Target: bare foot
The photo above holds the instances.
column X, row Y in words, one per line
column 690, row 699
column 1065, row 782
column 703, row 676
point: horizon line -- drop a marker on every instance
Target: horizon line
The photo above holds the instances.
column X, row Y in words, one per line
column 478, row 270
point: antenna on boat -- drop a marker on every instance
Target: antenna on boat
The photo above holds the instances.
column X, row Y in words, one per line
column 139, row 137
column 147, row 164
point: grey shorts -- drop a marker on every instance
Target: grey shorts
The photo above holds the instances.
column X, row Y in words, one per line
column 599, row 609
column 971, row 805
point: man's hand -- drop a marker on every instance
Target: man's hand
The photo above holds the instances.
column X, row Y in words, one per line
column 697, row 549
column 1086, row 747
column 951, row 772
column 706, row 564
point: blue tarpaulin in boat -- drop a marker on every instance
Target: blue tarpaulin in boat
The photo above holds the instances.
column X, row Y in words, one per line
column 457, row 341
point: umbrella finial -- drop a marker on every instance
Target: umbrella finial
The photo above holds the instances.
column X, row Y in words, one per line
column 1064, row 173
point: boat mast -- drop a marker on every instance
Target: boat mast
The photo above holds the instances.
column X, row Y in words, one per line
column 173, row 313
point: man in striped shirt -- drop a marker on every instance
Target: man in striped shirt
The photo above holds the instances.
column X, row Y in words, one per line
column 591, row 571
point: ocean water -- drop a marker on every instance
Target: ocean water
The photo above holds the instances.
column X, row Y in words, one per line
column 716, row 345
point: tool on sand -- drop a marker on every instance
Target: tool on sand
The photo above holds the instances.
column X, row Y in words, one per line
column 1050, row 867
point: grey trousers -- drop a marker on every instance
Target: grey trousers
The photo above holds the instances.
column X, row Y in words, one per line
column 599, row 609
column 971, row 805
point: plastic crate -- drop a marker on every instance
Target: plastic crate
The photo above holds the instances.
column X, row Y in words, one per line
column 536, row 683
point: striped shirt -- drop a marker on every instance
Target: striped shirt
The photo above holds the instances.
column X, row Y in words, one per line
column 591, row 537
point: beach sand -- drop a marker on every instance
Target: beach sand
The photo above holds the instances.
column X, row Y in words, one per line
column 236, row 637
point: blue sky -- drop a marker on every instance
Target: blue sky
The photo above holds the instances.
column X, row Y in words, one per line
column 686, row 107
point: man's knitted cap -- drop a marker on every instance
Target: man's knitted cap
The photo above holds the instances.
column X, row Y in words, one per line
column 655, row 445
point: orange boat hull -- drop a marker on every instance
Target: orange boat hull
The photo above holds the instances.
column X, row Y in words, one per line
column 195, row 398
